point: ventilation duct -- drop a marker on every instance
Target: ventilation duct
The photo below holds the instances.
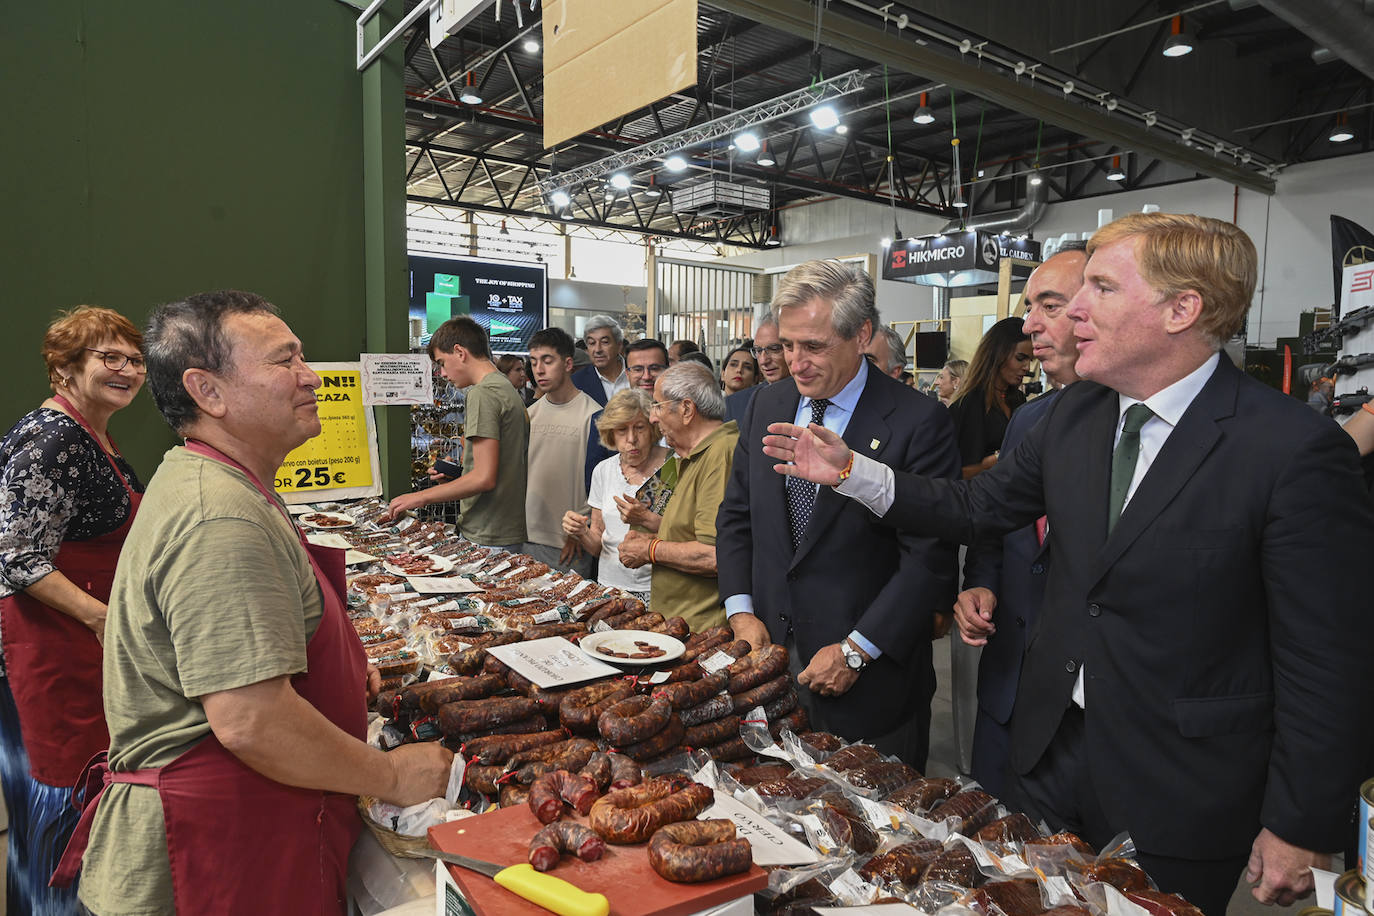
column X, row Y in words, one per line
column 1013, row 221
column 1345, row 28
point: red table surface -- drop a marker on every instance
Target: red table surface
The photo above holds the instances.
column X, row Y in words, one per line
column 623, row 874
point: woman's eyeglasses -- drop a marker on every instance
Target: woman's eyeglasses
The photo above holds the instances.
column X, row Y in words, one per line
column 114, row 360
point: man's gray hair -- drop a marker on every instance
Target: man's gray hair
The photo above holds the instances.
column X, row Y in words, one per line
column 896, row 348
column 848, row 289
column 768, row 320
column 694, row 382
column 597, row 322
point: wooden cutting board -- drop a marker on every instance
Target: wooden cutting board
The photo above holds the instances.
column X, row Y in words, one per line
column 623, row 874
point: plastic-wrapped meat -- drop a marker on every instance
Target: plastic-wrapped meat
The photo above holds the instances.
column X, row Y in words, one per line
column 794, row 786
column 1122, row 874
column 1162, row 904
column 822, row 742
column 1064, row 838
column 923, row 794
column 855, row 755
column 974, row 808
column 901, row 864
column 956, row 866
column 882, row 776
column 752, row 776
column 1014, row 828
column 1069, row 909
column 845, row 823
column 1017, row 897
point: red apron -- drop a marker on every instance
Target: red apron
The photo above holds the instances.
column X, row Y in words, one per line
column 239, row 842
column 54, row 661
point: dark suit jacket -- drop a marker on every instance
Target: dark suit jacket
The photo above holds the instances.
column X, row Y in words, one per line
column 589, row 380
column 1014, row 568
column 850, row 571
column 736, row 404
column 1224, row 623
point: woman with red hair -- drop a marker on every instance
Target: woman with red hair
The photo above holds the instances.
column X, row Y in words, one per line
column 67, row 498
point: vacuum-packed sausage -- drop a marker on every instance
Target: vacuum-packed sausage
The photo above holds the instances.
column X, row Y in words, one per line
column 564, row 836
column 466, row 716
column 761, row 664
column 624, row 816
column 903, row 863
column 763, row 693
column 695, row 851
column 714, row 708
column 713, row 732
column 691, row 693
column 657, row 744
column 499, row 748
column 633, row 720
column 624, row 772
column 579, row 709
column 974, row 809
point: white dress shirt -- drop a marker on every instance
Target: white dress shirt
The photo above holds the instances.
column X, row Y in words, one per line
column 621, row 382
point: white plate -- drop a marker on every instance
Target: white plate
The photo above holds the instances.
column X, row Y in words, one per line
column 624, row 641
column 348, row 520
column 441, row 565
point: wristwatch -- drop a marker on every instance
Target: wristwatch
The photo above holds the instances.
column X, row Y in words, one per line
column 853, row 658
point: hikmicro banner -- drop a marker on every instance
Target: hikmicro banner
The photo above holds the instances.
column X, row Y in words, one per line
column 509, row 301
column 341, row 462
column 954, row 258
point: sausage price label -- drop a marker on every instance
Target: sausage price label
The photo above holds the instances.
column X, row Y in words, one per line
column 342, row 457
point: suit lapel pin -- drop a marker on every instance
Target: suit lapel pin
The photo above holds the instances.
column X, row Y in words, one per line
column 873, row 445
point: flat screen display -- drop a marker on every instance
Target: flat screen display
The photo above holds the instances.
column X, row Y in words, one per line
column 932, row 349
column 509, row 301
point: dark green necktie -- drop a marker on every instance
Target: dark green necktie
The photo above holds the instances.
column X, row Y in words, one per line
column 1124, row 459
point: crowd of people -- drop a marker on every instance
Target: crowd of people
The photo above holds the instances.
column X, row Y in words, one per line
column 1168, row 648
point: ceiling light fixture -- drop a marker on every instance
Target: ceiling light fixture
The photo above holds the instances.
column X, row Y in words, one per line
column 1179, row 42
column 531, row 46
column 772, row 241
column 841, row 129
column 620, row 181
column 504, row 230
column 765, row 158
column 1341, row 133
column 653, row 192
column 825, row 117
column 746, row 141
column 1115, row 173
column 469, row 95
column 675, row 163
column 560, row 199
column 923, row 114
column 1035, row 178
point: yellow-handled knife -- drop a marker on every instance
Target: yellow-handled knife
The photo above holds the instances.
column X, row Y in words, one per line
column 553, row 894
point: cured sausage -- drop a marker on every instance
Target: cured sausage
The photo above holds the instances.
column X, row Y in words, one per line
column 465, row 716
column 542, row 630
column 1122, row 874
column 1014, row 828
column 795, row 722
column 453, row 689
column 794, row 786
column 761, row 664
column 731, row 749
column 571, row 754
column 658, row 744
column 850, row 757
column 782, row 704
column 640, row 622
column 1017, row 897
column 974, row 809
column 694, row 851
column 598, row 770
column 752, row 776
column 768, row 690
column 902, row 864
column 824, row 742
column 882, row 777
column 564, row 836
column 846, row 822
column 513, row 794
column 624, row 816
column 470, row 661
column 579, row 709
column 633, row 720
column 714, row 708
column 694, row 642
column 624, row 772
column 675, row 627
column 691, row 693
column 483, row 778
column 955, row 865
column 500, row 748
column 551, row 790
column 713, row 732
column 1064, row 838
column 518, row 727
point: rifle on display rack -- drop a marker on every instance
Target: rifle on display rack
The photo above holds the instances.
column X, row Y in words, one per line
column 1349, row 365
column 1350, row 402
column 1333, row 335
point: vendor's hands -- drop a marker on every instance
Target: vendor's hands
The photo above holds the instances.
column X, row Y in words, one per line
column 374, row 683
column 575, row 525
column 634, row 550
column 827, row 674
column 634, row 512
column 419, row 773
column 1283, row 871
column 973, row 613
column 816, row 454
column 749, row 627
column 402, row 504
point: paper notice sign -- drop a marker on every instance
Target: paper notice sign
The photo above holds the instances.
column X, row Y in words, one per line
column 443, row 585
column 328, row 540
column 397, row 378
column 300, row 509
column 551, row 662
column 771, row 844
column 716, row 661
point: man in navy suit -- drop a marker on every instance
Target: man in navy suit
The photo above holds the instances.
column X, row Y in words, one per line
column 606, row 375
column 852, row 599
column 1004, row 581
column 772, row 366
column 1200, row 674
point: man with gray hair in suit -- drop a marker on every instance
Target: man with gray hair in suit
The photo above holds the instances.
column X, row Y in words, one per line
column 606, row 375
column 888, row 351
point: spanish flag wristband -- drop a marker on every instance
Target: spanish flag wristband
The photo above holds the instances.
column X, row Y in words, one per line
column 653, row 546
column 848, row 469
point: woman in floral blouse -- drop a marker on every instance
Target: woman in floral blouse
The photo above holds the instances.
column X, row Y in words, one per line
column 67, row 497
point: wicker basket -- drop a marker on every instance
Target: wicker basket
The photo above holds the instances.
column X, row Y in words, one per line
column 398, row 844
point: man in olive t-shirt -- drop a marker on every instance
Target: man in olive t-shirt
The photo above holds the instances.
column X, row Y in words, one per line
column 497, row 430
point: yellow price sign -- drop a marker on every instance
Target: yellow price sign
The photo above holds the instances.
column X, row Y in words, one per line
column 341, row 462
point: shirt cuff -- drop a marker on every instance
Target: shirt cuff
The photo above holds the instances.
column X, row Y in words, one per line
column 739, row 604
column 871, row 484
column 868, row 647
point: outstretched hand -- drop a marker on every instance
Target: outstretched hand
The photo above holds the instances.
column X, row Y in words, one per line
column 812, row 452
